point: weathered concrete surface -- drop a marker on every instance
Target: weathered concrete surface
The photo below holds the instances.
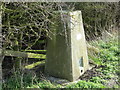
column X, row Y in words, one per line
column 66, row 50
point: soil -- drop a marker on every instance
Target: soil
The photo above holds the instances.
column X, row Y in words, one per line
column 111, row 82
column 91, row 73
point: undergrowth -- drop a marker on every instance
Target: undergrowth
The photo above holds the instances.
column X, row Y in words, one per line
column 107, row 57
column 84, row 84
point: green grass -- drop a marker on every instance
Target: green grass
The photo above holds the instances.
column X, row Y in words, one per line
column 84, row 84
column 45, row 84
column 108, row 57
column 19, row 80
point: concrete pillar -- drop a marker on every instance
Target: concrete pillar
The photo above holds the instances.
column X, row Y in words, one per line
column 66, row 49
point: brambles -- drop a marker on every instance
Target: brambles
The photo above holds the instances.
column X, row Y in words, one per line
column 25, row 27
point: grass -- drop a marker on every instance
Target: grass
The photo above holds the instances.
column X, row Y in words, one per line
column 19, row 80
column 108, row 57
column 84, row 84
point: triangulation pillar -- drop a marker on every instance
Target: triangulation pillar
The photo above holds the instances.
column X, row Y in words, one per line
column 66, row 48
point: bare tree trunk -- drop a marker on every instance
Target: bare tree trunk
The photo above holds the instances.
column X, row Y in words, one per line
column 1, row 55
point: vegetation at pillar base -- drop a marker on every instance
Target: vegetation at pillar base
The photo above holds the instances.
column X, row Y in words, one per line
column 84, row 84
column 108, row 56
